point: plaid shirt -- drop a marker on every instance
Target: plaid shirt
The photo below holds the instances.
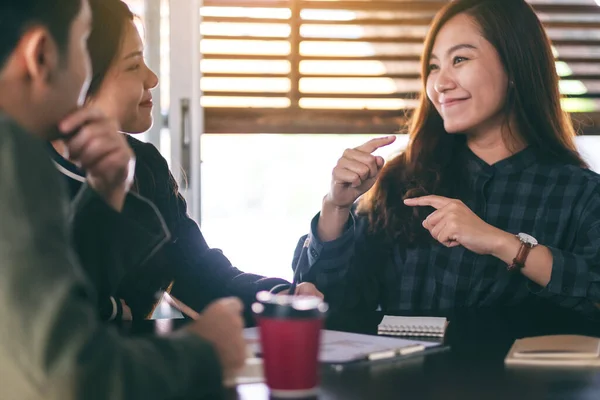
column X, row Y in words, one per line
column 557, row 204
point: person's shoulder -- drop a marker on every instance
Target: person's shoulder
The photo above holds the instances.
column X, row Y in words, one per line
column 148, row 155
column 153, row 177
column 20, row 147
column 588, row 192
column 142, row 149
column 580, row 184
column 27, row 174
column 575, row 172
column 12, row 133
column 591, row 176
column 590, row 180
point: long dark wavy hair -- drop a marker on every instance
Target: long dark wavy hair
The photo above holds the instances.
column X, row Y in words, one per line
column 432, row 164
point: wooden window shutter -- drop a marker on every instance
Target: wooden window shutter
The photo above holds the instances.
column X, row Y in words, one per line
column 327, row 66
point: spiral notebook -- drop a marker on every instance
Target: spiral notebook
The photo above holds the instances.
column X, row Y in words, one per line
column 412, row 326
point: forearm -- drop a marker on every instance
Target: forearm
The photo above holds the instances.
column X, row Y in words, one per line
column 116, row 200
column 568, row 278
column 199, row 277
column 538, row 265
column 179, row 366
column 328, row 264
column 332, row 221
column 81, row 359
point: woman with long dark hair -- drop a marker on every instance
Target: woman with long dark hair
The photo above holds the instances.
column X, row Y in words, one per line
column 489, row 206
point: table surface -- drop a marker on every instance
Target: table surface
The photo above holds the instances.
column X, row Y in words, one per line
column 473, row 368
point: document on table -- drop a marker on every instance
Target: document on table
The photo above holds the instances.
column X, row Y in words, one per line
column 343, row 347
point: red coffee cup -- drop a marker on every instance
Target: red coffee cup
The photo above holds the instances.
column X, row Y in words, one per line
column 290, row 334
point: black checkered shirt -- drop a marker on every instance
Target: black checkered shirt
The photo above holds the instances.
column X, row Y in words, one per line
column 557, row 204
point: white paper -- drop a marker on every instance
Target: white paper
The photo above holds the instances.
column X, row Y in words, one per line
column 340, row 347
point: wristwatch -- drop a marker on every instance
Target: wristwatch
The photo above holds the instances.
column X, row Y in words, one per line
column 528, row 242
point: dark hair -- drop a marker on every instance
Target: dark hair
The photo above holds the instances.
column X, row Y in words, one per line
column 432, row 164
column 109, row 18
column 16, row 16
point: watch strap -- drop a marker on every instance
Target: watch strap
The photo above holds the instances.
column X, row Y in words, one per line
column 521, row 257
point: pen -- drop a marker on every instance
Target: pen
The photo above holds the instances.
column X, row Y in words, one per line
column 402, row 351
column 388, row 356
column 297, row 275
column 187, row 310
column 179, row 305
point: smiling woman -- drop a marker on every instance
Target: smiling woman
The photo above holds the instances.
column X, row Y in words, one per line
column 186, row 265
column 122, row 80
column 263, row 200
column 499, row 92
column 490, row 171
column 466, row 82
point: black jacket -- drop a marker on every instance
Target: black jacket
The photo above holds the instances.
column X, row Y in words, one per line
column 200, row 274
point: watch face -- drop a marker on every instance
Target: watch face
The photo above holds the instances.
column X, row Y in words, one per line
column 528, row 239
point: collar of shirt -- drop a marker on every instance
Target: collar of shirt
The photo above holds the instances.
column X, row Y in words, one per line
column 514, row 163
column 64, row 166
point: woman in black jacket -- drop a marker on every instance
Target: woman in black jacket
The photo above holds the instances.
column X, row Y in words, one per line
column 195, row 273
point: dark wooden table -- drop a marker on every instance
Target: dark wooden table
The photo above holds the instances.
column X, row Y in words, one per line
column 472, row 369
